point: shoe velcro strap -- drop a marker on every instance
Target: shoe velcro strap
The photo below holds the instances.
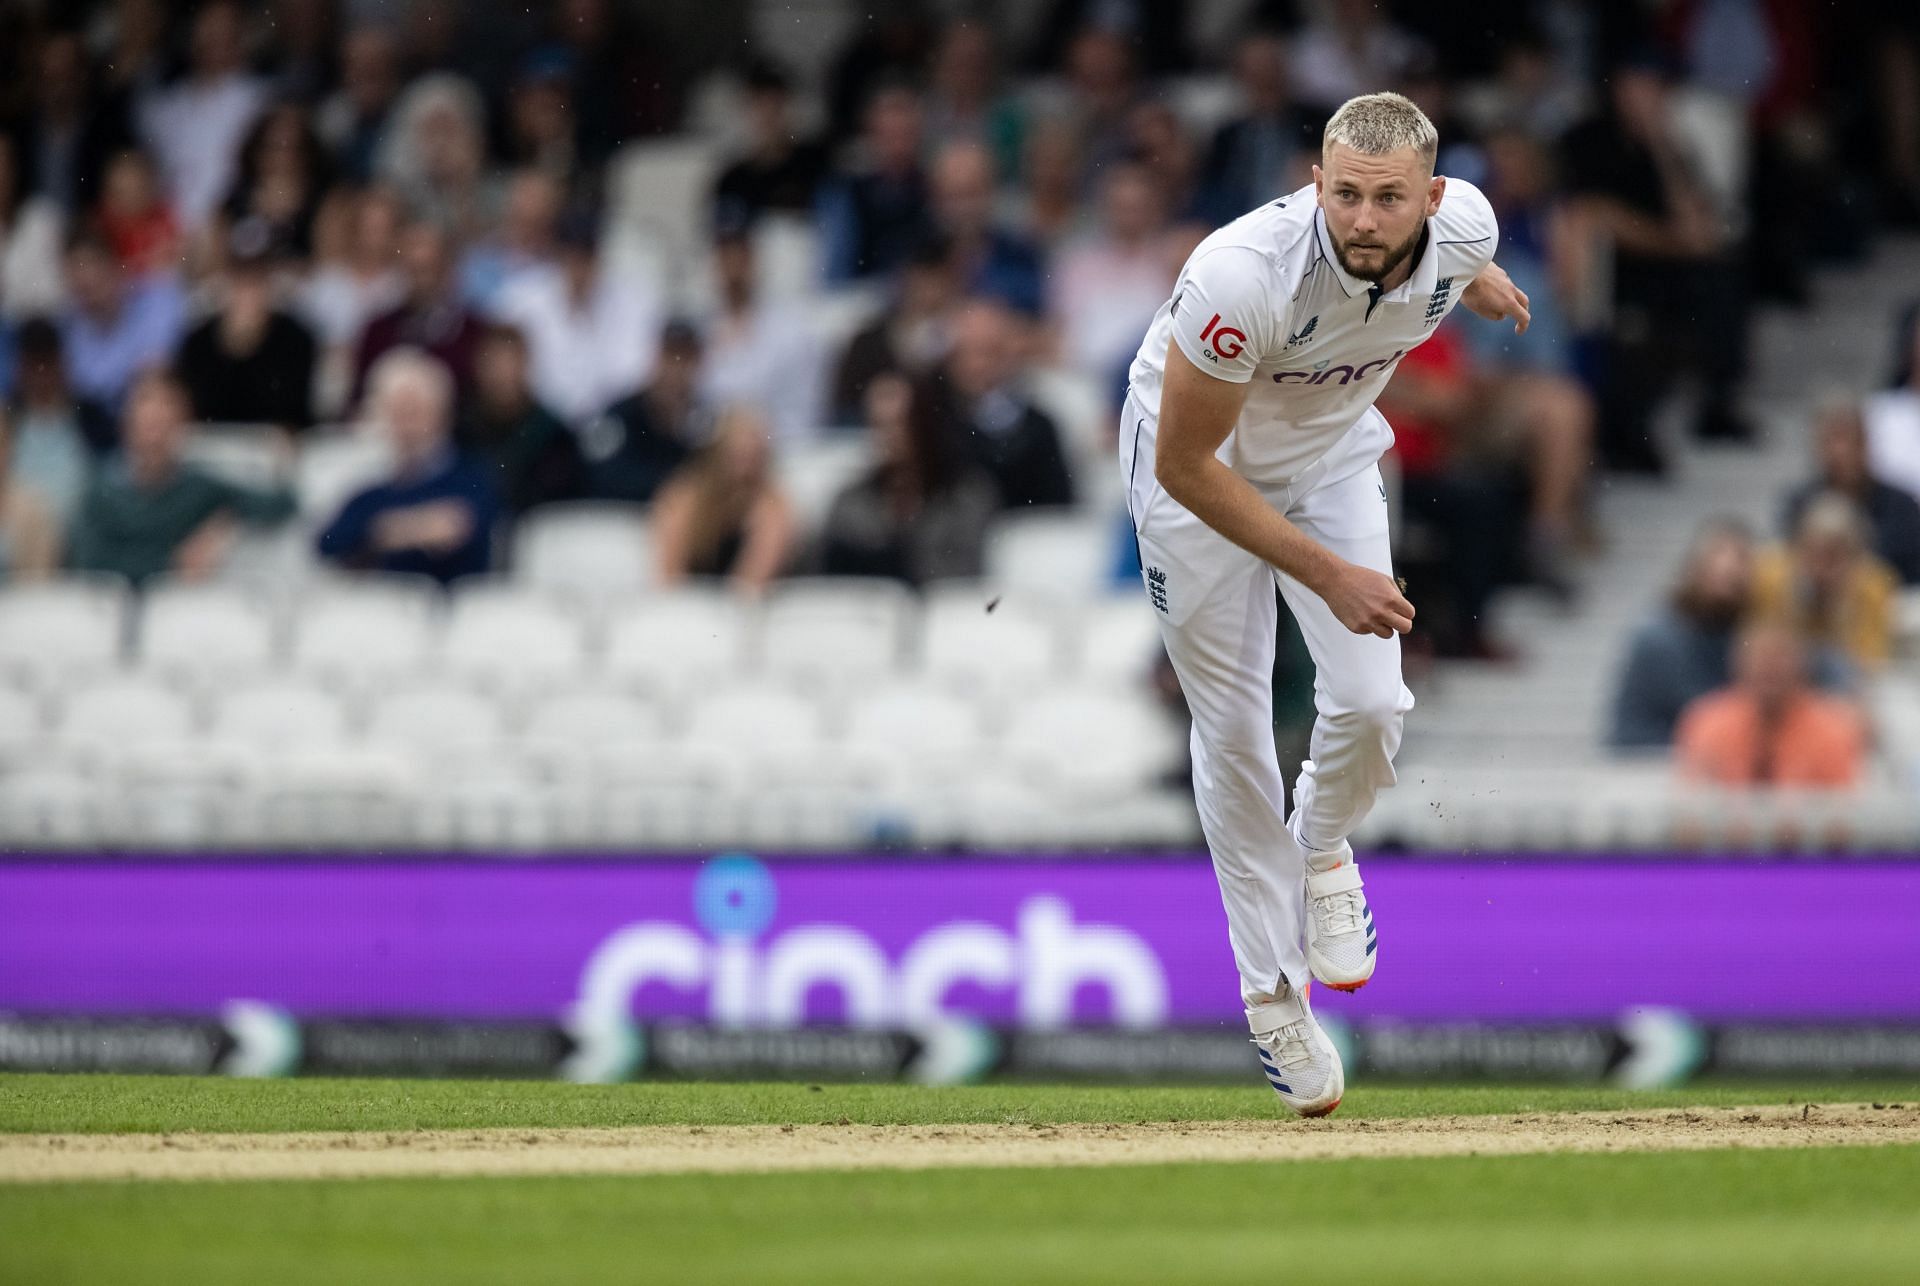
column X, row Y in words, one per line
column 1341, row 879
column 1264, row 1020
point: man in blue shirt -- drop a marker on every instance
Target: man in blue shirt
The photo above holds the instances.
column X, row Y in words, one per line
column 113, row 328
column 435, row 515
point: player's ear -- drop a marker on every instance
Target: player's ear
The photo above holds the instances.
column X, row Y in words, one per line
column 1436, row 188
column 1319, row 185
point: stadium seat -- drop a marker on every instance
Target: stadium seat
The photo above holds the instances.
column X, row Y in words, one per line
column 45, row 807
column 590, row 549
column 442, row 723
column 364, row 631
column 1060, row 556
column 334, row 466
column 1114, row 640
column 21, row 727
column 837, row 630
column 979, row 641
column 354, row 797
column 677, row 640
column 200, row 631
column 1092, row 741
column 746, row 721
column 565, row 731
column 72, row 626
column 510, row 639
column 113, row 716
column 814, row 473
column 1078, row 406
column 271, row 716
column 249, row 455
column 494, row 807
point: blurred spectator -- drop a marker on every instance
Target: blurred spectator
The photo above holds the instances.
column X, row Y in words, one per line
column 284, row 174
column 298, row 47
column 1046, row 204
column 526, row 239
column 55, row 438
column 355, row 278
column 966, row 102
column 992, row 261
column 1770, row 728
column 435, row 515
column 625, row 80
column 435, row 155
column 351, row 119
column 1893, row 515
column 29, row 244
column 891, row 49
column 921, row 513
column 135, row 218
column 532, row 456
column 140, row 55
column 112, row 328
column 150, row 511
column 1013, row 441
column 541, row 128
column 29, row 529
column 1101, row 91
column 781, row 172
column 1893, row 417
column 429, row 316
column 1256, row 156
column 250, row 362
column 1152, row 31
column 1533, row 92
column 871, row 218
column 722, row 514
column 1685, row 651
column 1828, row 585
column 1545, row 248
column 1678, row 304
column 912, row 336
column 195, row 126
column 1158, row 141
column 1108, row 286
column 592, row 331
column 71, row 126
column 1350, row 47
column 759, row 353
column 642, row 439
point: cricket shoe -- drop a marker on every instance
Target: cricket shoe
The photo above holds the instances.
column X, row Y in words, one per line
column 1300, row 1062
column 1341, row 939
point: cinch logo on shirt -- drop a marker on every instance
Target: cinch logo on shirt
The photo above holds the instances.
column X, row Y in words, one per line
column 1227, row 341
column 1325, row 371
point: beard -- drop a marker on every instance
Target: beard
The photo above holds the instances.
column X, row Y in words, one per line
column 1394, row 257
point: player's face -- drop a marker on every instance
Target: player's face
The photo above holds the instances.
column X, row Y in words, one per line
column 1375, row 206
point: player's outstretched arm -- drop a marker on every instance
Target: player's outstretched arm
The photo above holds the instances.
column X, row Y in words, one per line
column 1493, row 295
column 1197, row 412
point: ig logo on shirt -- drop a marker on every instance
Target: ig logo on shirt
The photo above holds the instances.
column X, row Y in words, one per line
column 1227, row 342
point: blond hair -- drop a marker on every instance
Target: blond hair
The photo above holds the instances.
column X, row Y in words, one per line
column 1376, row 124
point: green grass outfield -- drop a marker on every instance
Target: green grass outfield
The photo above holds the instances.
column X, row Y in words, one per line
column 1836, row 1214
column 119, row 1104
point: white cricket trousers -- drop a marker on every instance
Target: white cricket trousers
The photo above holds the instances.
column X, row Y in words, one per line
column 1219, row 619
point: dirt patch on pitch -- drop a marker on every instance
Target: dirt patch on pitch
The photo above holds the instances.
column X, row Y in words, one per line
column 44, row 1158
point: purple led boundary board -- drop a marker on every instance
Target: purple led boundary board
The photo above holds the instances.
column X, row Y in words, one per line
column 1019, row 941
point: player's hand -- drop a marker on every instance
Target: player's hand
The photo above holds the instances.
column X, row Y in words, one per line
column 1493, row 295
column 1367, row 602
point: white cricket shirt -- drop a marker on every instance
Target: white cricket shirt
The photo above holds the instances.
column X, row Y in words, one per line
column 1265, row 301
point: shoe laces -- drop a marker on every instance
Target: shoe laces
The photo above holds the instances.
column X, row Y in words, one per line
column 1289, row 1044
column 1340, row 912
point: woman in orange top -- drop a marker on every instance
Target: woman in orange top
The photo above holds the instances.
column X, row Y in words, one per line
column 1769, row 728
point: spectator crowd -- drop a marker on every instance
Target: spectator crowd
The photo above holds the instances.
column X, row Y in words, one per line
column 402, row 216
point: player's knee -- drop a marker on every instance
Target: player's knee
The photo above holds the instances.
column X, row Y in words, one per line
column 1370, row 714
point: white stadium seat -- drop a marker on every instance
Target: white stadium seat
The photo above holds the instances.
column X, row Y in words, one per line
column 593, row 549
column 678, row 639
column 1091, row 741
column 1014, row 647
column 362, row 632
column 436, row 720
column 204, row 631
column 334, row 467
column 835, row 629
column 21, row 726
column 116, row 715
column 813, row 473
column 1060, row 555
column 503, row 636
column 50, row 808
column 273, row 716
column 746, row 720
column 70, row 626
column 567, row 731
column 1115, row 640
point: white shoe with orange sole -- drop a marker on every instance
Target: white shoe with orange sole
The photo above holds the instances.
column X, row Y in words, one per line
column 1341, row 939
column 1299, row 1061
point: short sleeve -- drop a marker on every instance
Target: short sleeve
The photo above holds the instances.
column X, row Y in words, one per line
column 1466, row 225
column 1223, row 314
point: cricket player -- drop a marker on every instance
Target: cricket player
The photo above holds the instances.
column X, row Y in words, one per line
column 1251, row 449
